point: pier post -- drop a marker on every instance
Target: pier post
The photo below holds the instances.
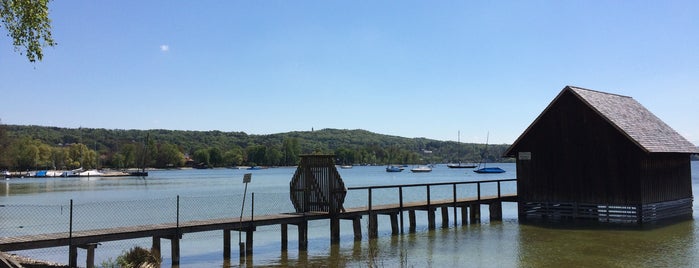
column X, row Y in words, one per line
column 431, row 218
column 411, row 219
column 248, row 242
column 357, row 226
column 496, row 211
column 226, row 244
column 303, row 235
column 89, row 260
column 373, row 225
column 72, row 256
column 334, row 229
column 155, row 249
column 175, row 249
column 445, row 217
column 475, row 215
column 464, row 215
column 394, row 223
column 285, row 236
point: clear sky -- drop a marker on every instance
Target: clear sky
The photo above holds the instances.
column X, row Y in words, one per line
column 405, row 68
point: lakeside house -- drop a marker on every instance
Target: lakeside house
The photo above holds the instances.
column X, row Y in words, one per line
column 604, row 157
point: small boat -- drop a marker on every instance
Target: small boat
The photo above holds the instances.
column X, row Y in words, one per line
column 346, row 166
column 460, row 165
column 256, row 168
column 394, row 169
column 421, row 169
column 90, row 173
column 484, row 169
column 489, row 170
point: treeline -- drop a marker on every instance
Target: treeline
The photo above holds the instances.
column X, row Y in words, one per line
column 37, row 147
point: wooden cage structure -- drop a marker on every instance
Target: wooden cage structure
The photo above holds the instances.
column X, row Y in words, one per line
column 600, row 156
column 317, row 186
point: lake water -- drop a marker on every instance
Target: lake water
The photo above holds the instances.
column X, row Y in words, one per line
column 33, row 206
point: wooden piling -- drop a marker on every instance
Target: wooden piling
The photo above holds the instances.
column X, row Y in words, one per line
column 285, row 236
column 475, row 216
column 394, row 223
column 445, row 217
column 411, row 219
column 357, row 226
column 464, row 215
column 334, row 229
column 373, row 225
column 495, row 211
column 155, row 248
column 226, row 244
column 431, row 221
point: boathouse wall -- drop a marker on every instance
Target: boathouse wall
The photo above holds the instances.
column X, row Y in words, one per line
column 576, row 163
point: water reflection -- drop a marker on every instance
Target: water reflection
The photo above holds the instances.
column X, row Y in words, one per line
column 667, row 246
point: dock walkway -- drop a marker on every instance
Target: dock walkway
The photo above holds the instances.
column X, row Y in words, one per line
column 89, row 239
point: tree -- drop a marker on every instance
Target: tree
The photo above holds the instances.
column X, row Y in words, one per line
column 4, row 145
column 25, row 153
column 215, row 156
column 291, row 150
column 28, row 23
column 169, row 156
column 201, row 157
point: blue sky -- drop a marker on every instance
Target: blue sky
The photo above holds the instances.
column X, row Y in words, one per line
column 405, row 68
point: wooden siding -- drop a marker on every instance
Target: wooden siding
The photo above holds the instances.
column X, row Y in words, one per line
column 577, row 156
column 665, row 177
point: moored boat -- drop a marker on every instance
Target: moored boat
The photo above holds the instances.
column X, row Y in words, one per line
column 421, row 169
column 489, row 170
column 460, row 165
column 393, row 168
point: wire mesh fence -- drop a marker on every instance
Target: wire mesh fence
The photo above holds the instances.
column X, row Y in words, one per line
column 19, row 220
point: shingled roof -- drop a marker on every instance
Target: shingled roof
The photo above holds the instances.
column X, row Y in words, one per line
column 633, row 120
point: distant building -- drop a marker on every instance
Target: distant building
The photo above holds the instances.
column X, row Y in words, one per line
column 600, row 156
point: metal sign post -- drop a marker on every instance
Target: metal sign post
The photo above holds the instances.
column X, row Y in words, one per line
column 246, row 179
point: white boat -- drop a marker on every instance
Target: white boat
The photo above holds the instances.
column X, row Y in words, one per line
column 90, row 173
column 421, row 169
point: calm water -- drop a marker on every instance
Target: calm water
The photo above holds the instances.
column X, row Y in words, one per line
column 40, row 205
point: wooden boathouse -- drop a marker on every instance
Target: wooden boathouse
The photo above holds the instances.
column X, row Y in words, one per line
column 604, row 157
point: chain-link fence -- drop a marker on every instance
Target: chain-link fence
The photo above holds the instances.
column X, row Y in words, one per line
column 75, row 216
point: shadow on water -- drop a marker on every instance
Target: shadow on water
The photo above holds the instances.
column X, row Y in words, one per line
column 667, row 244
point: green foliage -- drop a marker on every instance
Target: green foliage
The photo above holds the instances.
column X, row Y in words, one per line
column 138, row 257
column 72, row 148
column 28, row 23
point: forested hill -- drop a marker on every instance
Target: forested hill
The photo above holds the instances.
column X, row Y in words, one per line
column 61, row 148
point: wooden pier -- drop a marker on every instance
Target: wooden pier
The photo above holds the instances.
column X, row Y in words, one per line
column 89, row 239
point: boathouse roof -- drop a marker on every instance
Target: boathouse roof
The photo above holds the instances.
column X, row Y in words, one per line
column 628, row 116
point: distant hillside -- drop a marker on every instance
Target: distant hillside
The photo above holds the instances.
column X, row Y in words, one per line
column 239, row 148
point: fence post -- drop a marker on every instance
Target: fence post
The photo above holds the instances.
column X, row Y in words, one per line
column 454, row 190
column 498, row 189
column 479, row 191
column 400, row 196
column 72, row 250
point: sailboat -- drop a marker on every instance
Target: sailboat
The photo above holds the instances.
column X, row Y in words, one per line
column 142, row 172
column 460, row 165
column 484, row 169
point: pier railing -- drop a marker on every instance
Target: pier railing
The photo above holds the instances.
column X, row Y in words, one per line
column 428, row 190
